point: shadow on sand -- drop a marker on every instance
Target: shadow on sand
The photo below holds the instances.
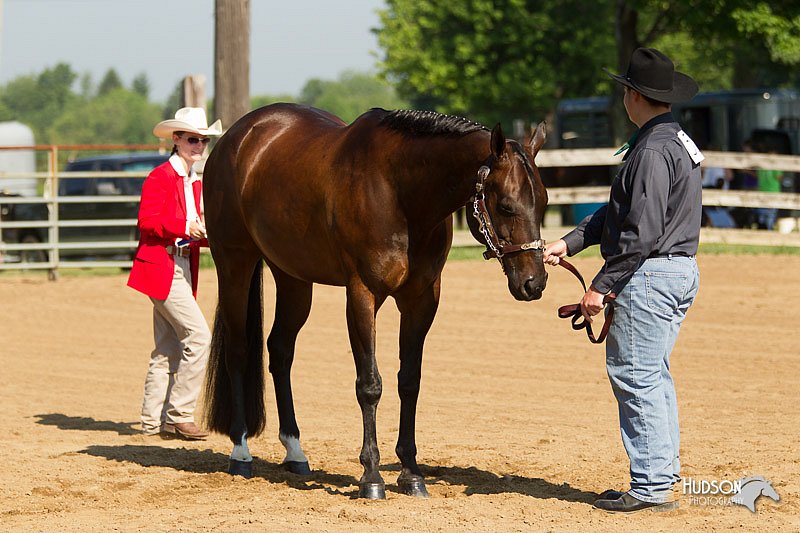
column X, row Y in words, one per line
column 475, row 480
column 84, row 423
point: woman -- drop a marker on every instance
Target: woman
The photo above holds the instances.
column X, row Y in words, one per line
column 165, row 268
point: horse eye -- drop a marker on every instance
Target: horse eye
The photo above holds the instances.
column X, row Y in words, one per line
column 504, row 206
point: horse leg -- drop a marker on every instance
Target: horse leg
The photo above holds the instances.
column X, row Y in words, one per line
column 292, row 306
column 417, row 308
column 235, row 380
column 362, row 306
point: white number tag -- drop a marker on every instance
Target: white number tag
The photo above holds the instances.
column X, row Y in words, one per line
column 691, row 148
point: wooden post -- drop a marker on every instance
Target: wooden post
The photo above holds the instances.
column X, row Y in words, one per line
column 231, row 60
column 194, row 91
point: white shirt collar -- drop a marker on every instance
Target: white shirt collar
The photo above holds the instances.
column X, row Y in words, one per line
column 177, row 163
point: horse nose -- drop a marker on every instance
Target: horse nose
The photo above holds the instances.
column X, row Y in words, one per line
column 535, row 286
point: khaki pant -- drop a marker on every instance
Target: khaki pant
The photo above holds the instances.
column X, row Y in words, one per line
column 178, row 362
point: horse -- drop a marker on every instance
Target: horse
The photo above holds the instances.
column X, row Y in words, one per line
column 366, row 206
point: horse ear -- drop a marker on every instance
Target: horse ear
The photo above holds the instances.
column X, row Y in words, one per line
column 498, row 141
column 537, row 138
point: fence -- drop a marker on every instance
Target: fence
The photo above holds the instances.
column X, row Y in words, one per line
column 47, row 253
column 54, row 246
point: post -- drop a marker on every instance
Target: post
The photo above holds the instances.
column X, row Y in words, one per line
column 231, row 60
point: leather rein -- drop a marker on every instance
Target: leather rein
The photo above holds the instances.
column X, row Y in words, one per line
column 573, row 311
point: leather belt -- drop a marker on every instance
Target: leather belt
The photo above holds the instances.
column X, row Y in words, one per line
column 676, row 254
column 182, row 251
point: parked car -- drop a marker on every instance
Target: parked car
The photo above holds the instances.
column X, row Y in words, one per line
column 84, row 186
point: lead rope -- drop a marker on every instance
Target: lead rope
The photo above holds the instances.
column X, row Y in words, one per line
column 573, row 311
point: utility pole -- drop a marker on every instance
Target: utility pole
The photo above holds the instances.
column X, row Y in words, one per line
column 231, row 60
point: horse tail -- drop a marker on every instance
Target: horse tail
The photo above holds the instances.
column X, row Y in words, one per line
column 219, row 392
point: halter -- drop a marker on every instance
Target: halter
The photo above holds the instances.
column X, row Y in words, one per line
column 494, row 248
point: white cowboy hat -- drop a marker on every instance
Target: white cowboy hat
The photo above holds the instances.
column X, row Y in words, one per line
column 190, row 120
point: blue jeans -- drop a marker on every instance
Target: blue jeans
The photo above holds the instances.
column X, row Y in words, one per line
column 648, row 313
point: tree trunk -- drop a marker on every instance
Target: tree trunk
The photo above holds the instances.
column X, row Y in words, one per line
column 231, row 60
column 627, row 42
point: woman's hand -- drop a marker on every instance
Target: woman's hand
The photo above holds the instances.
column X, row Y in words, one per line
column 197, row 230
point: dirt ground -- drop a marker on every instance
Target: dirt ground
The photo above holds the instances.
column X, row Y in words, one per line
column 517, row 426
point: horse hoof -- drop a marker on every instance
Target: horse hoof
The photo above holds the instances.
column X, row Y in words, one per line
column 372, row 491
column 298, row 467
column 240, row 468
column 413, row 486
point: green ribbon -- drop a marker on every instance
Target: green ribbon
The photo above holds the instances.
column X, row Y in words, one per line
column 628, row 144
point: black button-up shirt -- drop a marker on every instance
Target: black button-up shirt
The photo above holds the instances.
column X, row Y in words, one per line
column 654, row 207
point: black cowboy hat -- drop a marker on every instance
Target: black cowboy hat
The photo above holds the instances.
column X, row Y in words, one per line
column 653, row 74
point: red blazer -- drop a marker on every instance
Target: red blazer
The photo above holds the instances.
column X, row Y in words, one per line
column 162, row 219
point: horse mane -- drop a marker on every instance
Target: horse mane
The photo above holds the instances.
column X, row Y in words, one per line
column 416, row 123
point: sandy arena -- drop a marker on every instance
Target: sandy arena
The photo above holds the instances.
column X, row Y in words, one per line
column 517, row 426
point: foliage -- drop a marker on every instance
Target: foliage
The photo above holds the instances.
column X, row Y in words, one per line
column 778, row 27
column 504, row 59
column 141, row 85
column 109, row 82
column 37, row 100
column 351, row 95
column 117, row 117
column 267, row 99
column 495, row 60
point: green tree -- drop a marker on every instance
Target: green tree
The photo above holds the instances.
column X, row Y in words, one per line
column 38, row 100
column 351, row 95
column 119, row 116
column 723, row 44
column 109, row 82
column 141, row 85
column 495, row 60
column 502, row 59
column 267, row 99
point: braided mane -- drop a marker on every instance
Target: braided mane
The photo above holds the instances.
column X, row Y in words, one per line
column 428, row 123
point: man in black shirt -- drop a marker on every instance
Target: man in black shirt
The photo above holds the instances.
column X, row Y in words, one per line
column 648, row 235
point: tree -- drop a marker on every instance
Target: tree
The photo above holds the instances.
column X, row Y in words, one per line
column 38, row 100
column 109, row 82
column 502, row 59
column 231, row 60
column 141, row 85
column 351, row 95
column 495, row 60
column 117, row 117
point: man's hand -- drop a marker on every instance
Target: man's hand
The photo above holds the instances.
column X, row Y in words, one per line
column 591, row 303
column 554, row 251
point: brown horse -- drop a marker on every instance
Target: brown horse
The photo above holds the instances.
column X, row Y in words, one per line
column 366, row 206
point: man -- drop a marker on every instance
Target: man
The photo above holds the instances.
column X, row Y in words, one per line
column 648, row 235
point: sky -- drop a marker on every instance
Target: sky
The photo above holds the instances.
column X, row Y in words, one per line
column 290, row 41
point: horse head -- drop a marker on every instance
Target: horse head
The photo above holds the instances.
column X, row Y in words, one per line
column 507, row 212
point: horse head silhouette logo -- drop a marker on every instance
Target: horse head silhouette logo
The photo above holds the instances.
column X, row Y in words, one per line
column 752, row 488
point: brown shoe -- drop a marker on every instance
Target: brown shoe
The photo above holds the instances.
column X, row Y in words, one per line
column 184, row 430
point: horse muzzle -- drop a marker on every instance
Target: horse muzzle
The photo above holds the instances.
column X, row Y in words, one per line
column 528, row 289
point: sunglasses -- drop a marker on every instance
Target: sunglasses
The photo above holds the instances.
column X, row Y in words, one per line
column 195, row 140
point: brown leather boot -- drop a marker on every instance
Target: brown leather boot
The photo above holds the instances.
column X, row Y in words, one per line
column 184, row 430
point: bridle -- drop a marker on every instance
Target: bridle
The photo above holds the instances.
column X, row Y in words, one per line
column 494, row 248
